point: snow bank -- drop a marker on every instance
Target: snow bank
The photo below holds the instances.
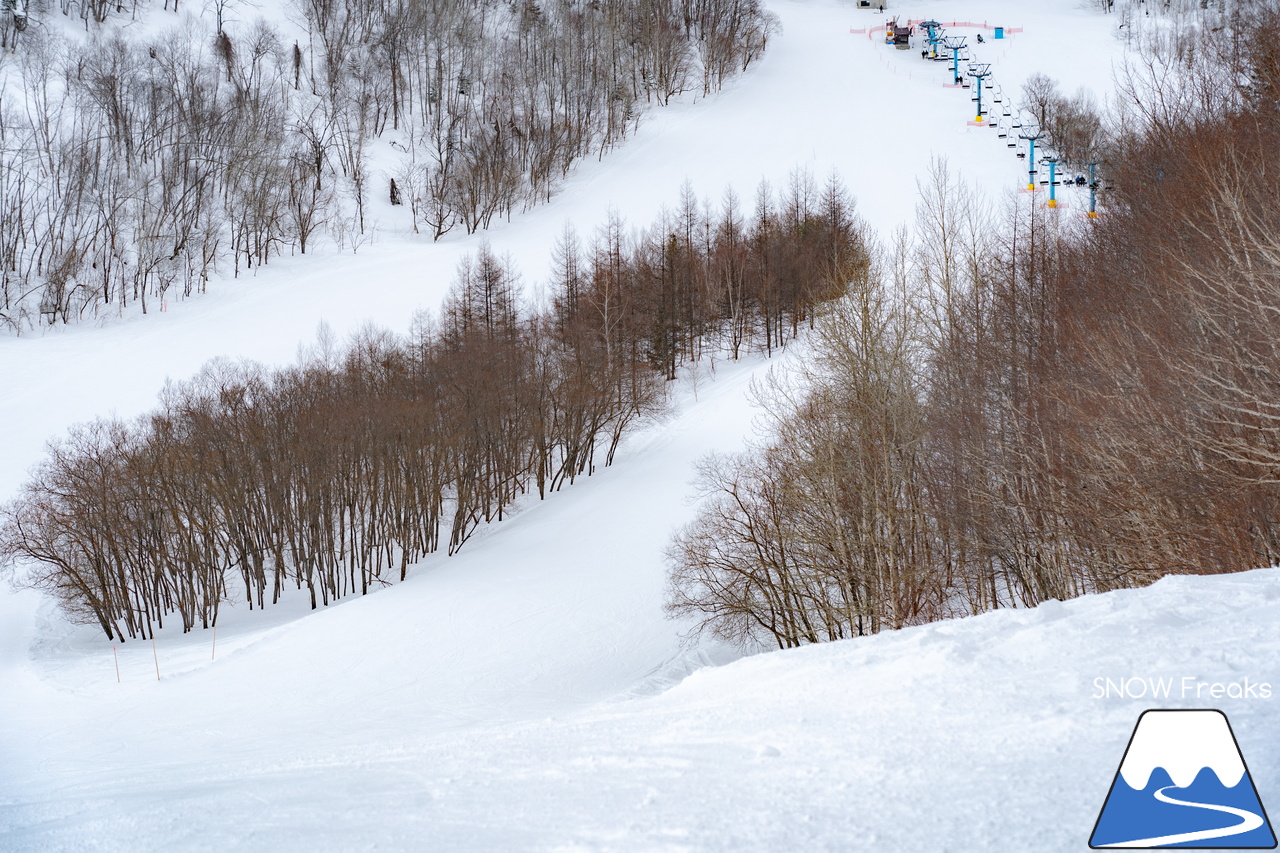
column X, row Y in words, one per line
column 982, row 733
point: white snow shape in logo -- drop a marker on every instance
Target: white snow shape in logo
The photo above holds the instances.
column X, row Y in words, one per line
column 1183, row 743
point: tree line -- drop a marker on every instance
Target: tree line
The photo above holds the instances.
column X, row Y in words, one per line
column 132, row 170
column 1013, row 409
column 336, row 474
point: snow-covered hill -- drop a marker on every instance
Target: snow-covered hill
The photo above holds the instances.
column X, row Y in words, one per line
column 822, row 98
column 986, row 733
column 517, row 696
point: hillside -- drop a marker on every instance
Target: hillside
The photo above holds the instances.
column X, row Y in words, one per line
column 529, row 693
column 983, row 733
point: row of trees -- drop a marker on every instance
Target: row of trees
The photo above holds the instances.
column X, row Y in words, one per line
column 1023, row 410
column 336, row 474
column 332, row 475
column 696, row 278
column 134, row 170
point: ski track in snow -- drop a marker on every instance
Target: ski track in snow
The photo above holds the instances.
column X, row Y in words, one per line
column 529, row 693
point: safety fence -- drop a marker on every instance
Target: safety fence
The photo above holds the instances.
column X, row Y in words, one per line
column 871, row 31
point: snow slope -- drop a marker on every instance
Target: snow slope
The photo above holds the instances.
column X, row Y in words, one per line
column 512, row 697
column 977, row 734
column 822, row 98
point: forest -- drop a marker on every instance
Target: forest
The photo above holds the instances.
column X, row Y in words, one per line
column 1015, row 408
column 1005, row 407
column 338, row 473
column 138, row 169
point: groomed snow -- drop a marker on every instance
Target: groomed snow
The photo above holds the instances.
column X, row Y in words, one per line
column 520, row 695
column 977, row 734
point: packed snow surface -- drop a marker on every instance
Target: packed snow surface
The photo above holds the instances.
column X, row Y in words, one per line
column 529, row 693
column 335, row 734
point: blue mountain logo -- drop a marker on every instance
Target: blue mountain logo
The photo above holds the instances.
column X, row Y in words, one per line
column 1183, row 783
